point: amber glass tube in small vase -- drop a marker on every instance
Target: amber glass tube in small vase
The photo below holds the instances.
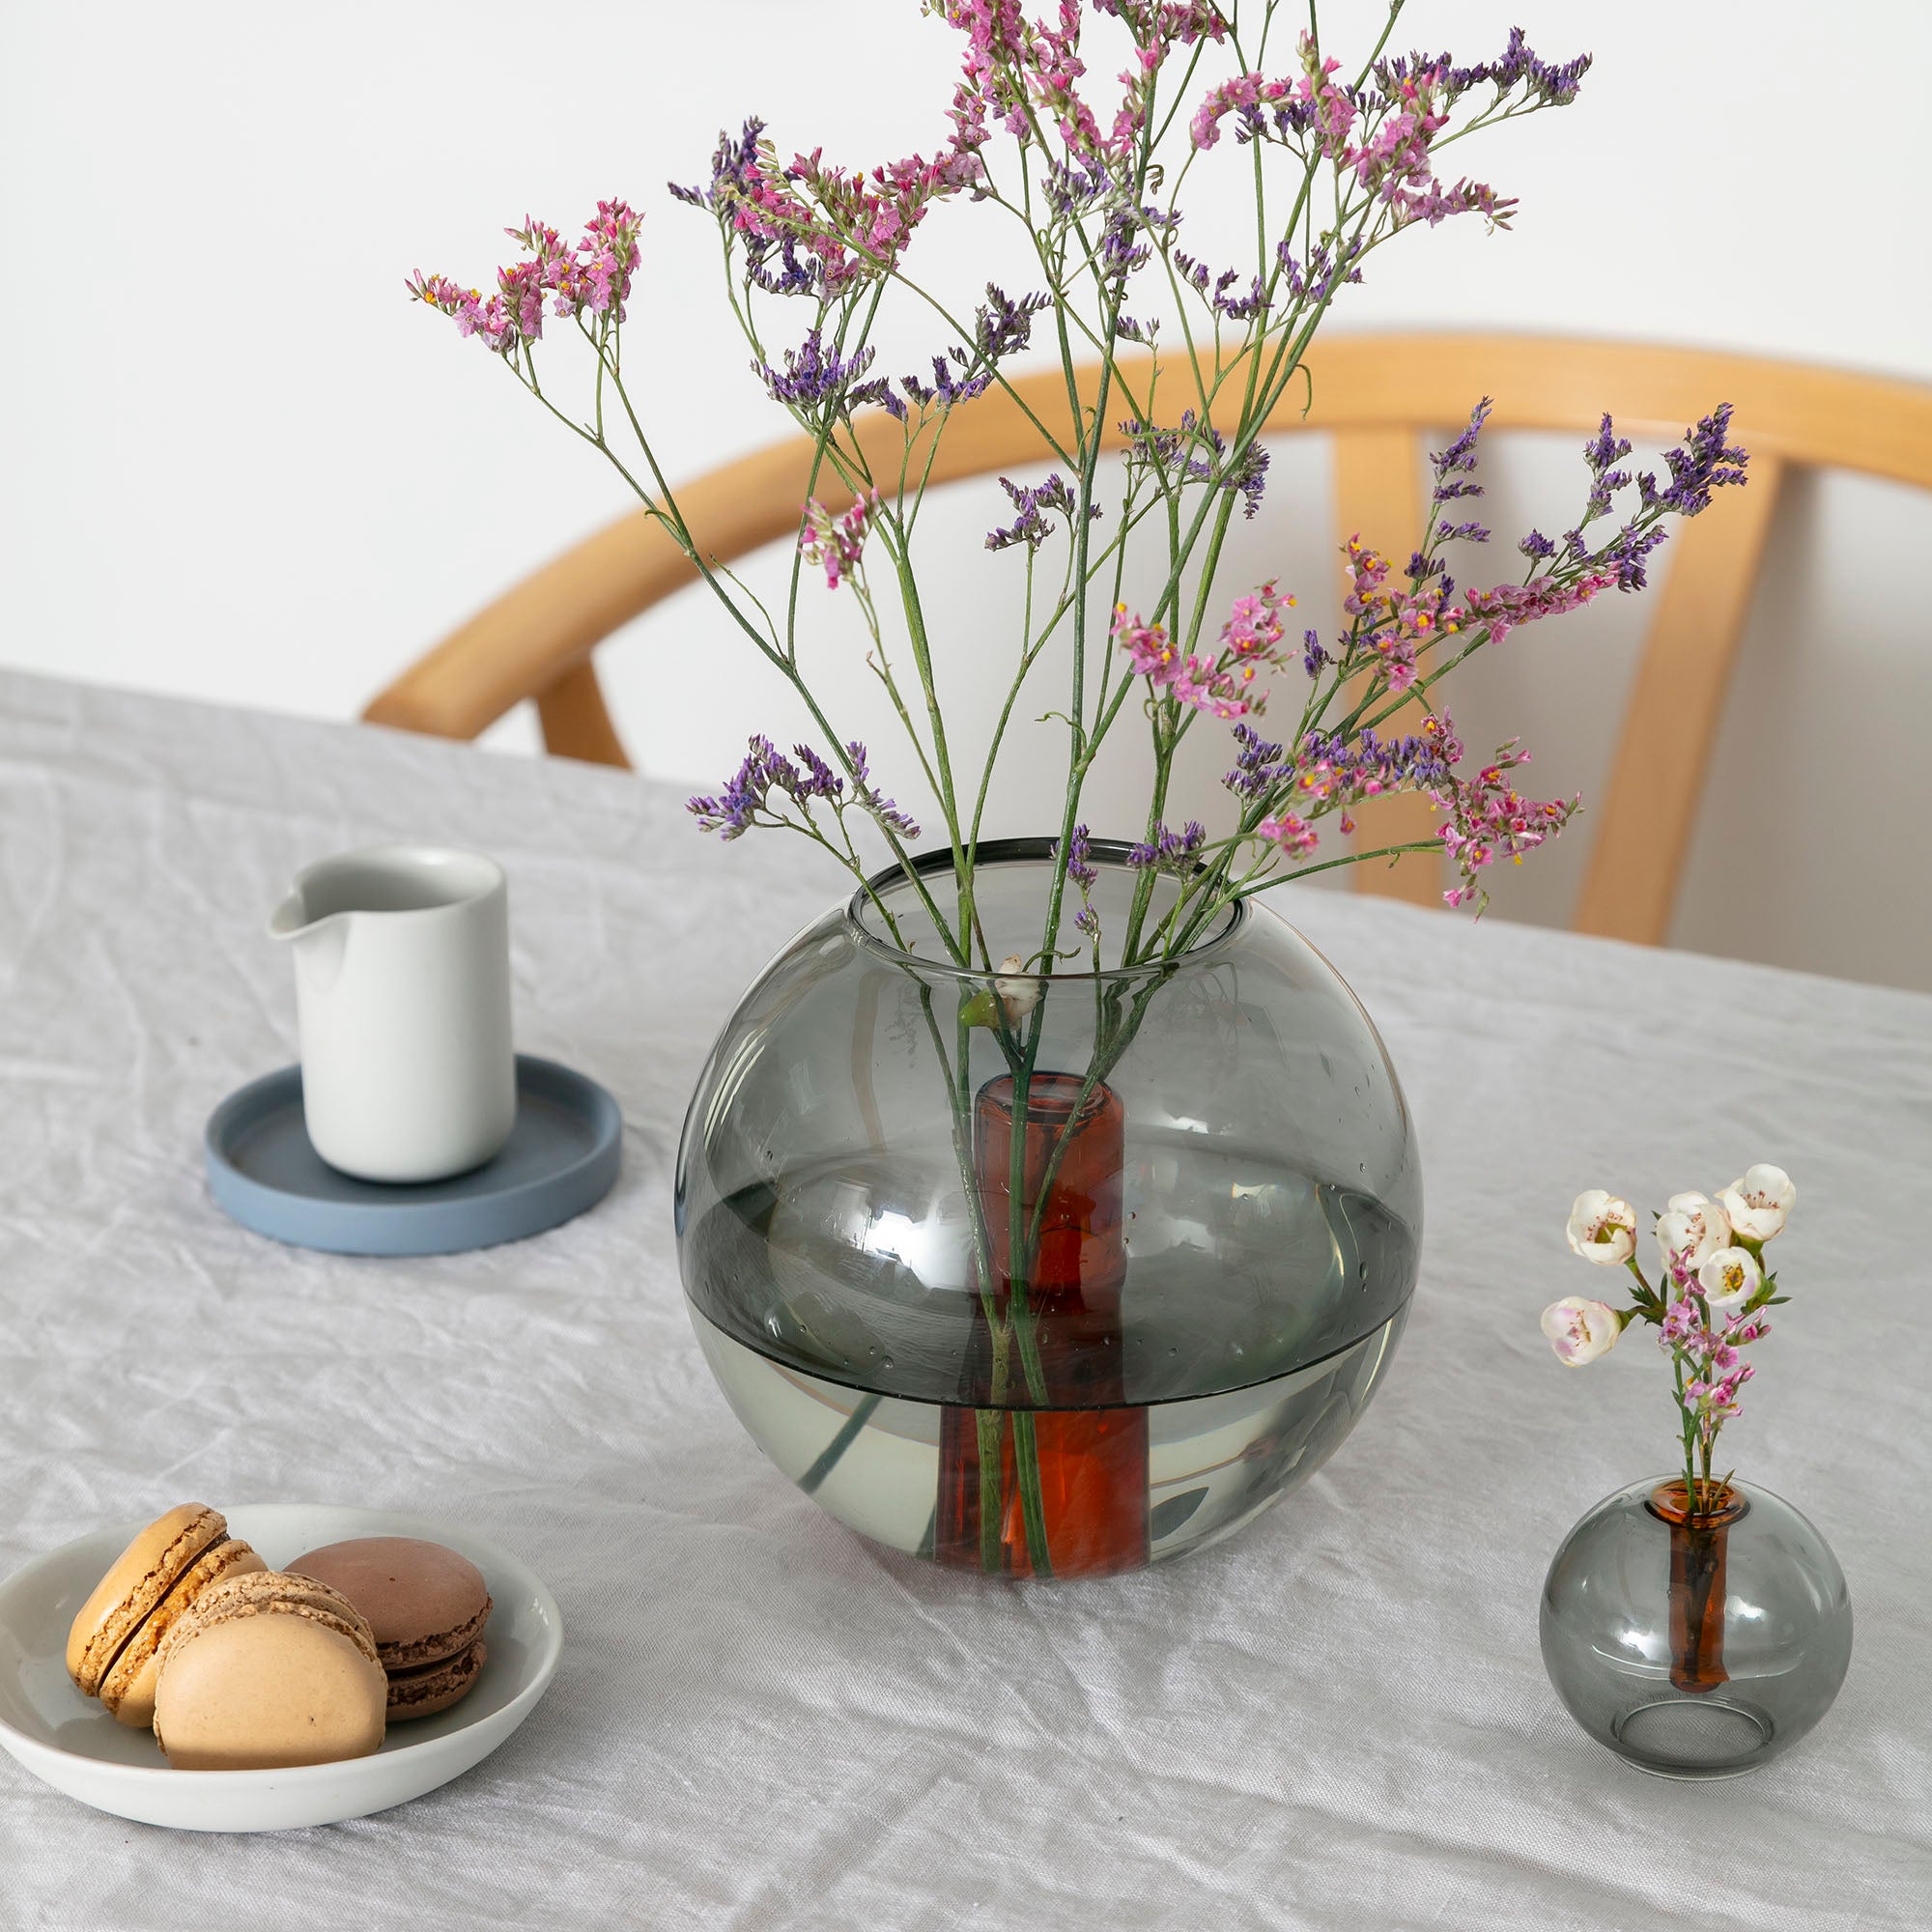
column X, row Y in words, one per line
column 1699, row 1536
column 1075, row 1435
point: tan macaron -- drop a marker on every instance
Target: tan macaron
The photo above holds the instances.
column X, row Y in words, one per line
column 116, row 1637
column 269, row 1670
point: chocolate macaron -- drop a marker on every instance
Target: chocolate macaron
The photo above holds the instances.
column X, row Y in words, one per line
column 269, row 1670
column 427, row 1606
column 113, row 1649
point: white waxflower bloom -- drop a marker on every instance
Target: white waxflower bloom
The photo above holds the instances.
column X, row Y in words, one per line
column 1018, row 990
column 1759, row 1203
column 1580, row 1330
column 1694, row 1222
column 1601, row 1228
column 1729, row 1279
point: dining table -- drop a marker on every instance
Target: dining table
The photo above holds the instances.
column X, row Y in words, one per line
column 1338, row 1720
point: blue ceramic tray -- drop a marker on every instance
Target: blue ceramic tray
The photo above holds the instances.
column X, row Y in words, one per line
column 561, row 1158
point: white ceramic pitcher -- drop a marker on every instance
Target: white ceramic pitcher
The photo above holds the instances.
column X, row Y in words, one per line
column 403, row 995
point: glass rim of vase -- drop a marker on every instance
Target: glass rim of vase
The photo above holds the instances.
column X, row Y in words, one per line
column 1231, row 921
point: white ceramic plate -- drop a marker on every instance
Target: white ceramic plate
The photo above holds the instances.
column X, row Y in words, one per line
column 72, row 1743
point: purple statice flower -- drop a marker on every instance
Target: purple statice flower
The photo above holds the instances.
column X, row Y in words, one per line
column 1126, row 240
column 746, row 798
column 1625, row 553
column 1085, row 875
column 1549, row 84
column 815, row 379
column 1314, row 655
column 1452, row 467
column 772, row 261
column 1250, row 477
column 1448, row 532
column 1030, row 526
column 1169, row 851
column 1072, row 190
column 1259, row 766
column 1324, row 271
column 1214, row 290
column 734, row 171
column 1700, row 464
column 947, row 388
column 1601, row 453
column 1080, row 867
column 1537, row 546
column 1001, row 327
column 867, row 794
column 1169, row 451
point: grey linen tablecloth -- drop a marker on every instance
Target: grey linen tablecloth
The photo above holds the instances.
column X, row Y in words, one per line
column 1339, row 1720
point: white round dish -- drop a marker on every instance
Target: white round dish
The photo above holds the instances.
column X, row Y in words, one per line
column 71, row 1742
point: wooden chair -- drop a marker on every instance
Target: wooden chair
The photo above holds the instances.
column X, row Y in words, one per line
column 1378, row 396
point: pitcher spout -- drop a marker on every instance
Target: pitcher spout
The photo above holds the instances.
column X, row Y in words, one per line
column 290, row 920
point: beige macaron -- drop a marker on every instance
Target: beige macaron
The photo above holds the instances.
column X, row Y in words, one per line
column 116, row 1637
column 269, row 1670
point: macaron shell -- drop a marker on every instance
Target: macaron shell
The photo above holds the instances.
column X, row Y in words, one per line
column 128, row 1689
column 135, row 1582
column 422, row 1694
column 424, row 1601
column 263, row 1691
column 269, row 1592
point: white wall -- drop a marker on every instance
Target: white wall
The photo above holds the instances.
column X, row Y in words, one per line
column 239, row 465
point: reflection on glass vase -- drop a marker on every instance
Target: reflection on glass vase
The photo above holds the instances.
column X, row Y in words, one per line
column 1695, row 1643
column 1054, row 1274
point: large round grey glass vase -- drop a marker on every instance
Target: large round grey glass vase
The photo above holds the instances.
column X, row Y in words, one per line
column 1695, row 1646
column 1046, row 1275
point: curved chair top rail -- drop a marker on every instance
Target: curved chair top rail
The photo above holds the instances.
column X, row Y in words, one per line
column 1375, row 395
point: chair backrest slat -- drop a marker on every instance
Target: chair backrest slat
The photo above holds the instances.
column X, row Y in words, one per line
column 1649, row 807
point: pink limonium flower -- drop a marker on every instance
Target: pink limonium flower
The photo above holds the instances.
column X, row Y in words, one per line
column 1509, row 604
column 857, row 224
column 1393, row 628
column 595, row 277
column 1225, row 684
column 836, row 543
column 1245, row 92
column 1294, row 835
column 1331, row 108
column 1254, row 626
column 1151, row 649
column 1486, row 818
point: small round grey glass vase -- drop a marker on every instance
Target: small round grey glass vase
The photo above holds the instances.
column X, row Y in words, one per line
column 1695, row 1645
